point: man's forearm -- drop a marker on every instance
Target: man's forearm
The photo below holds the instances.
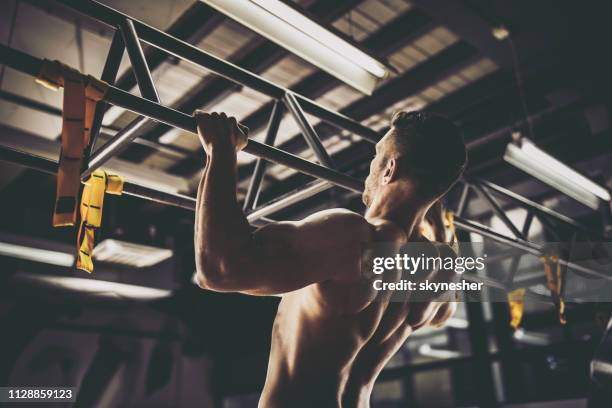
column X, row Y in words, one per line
column 221, row 227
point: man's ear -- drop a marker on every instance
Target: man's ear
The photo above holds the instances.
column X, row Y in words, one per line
column 390, row 172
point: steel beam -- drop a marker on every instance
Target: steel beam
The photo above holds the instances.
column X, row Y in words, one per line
column 310, row 135
column 463, row 200
column 109, row 73
column 250, row 200
column 452, row 59
column 288, row 200
column 522, row 201
column 201, row 58
column 48, row 166
column 402, row 30
column 498, row 210
column 31, row 65
column 137, row 58
column 175, row 151
column 147, row 90
column 257, row 60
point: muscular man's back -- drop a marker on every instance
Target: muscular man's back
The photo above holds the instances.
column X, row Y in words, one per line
column 331, row 340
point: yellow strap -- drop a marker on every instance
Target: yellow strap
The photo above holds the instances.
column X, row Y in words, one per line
column 516, row 301
column 554, row 283
column 450, row 224
column 79, row 103
column 427, row 230
column 92, row 205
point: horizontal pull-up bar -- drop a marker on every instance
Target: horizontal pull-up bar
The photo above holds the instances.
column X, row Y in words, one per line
column 31, row 65
column 234, row 73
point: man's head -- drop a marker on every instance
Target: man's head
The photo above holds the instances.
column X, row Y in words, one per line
column 422, row 151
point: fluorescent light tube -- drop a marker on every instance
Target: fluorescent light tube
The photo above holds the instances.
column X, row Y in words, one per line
column 37, row 254
column 304, row 37
column 130, row 254
column 526, row 156
column 98, row 287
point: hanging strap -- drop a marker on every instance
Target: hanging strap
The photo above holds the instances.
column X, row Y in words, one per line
column 81, row 93
column 92, row 204
column 554, row 283
column 516, row 301
column 449, row 217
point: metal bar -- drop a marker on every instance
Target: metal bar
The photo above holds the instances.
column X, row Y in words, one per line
column 137, row 58
column 288, row 200
column 250, row 200
column 31, row 65
column 50, row 166
column 114, row 146
column 463, row 200
column 174, row 151
column 498, row 210
column 527, row 224
column 531, row 204
column 516, row 260
column 109, row 73
column 529, row 247
column 30, row 103
column 307, row 130
column 147, row 90
column 549, row 226
column 188, row 52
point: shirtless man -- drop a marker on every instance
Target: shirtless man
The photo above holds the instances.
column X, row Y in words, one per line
column 332, row 334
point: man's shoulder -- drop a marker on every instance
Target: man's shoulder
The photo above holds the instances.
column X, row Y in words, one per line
column 342, row 222
column 338, row 215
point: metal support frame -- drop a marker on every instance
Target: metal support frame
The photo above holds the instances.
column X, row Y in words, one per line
column 199, row 57
column 463, row 200
column 109, row 74
column 147, row 90
column 310, row 135
column 516, row 260
column 137, row 58
column 151, row 109
column 498, row 210
column 31, row 65
column 252, row 195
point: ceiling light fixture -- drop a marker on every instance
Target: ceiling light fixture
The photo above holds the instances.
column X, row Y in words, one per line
column 525, row 155
column 289, row 28
column 37, row 254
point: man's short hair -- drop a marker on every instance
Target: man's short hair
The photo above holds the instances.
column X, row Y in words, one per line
column 433, row 148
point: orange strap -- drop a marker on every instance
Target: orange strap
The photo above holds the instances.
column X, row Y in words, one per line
column 81, row 93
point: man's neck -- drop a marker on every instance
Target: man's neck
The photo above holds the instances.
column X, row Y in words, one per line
column 399, row 207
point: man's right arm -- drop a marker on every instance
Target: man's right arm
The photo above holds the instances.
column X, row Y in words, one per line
column 286, row 256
